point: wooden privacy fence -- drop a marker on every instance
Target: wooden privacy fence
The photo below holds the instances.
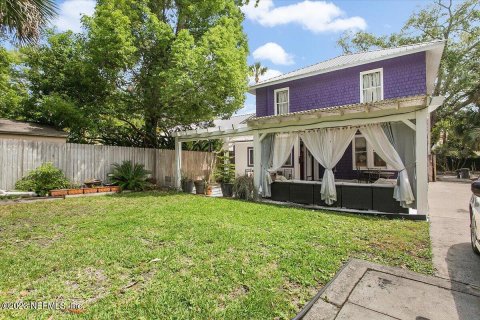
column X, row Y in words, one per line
column 82, row 161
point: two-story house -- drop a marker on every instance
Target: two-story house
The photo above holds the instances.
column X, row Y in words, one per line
column 348, row 132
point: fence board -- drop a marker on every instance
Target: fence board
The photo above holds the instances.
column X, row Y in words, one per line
column 80, row 161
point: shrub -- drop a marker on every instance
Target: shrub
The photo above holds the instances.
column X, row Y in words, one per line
column 130, row 176
column 243, row 188
column 225, row 169
column 43, row 179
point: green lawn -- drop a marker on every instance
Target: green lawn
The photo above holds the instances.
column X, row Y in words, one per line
column 159, row 255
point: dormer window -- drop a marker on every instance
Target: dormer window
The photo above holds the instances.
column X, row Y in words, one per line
column 282, row 101
column 371, row 85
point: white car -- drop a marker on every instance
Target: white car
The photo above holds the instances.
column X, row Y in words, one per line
column 475, row 217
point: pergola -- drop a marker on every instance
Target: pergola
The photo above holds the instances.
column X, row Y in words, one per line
column 413, row 111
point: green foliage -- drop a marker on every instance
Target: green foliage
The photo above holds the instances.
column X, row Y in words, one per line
column 130, row 176
column 225, row 169
column 244, row 188
column 12, row 87
column 257, row 70
column 25, row 19
column 43, row 179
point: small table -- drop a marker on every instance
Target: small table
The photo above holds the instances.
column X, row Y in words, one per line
column 374, row 175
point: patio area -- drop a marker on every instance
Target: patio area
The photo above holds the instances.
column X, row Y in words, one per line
column 395, row 132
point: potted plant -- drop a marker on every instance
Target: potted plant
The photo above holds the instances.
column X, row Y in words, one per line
column 200, row 186
column 225, row 173
column 187, row 184
column 58, row 192
column 209, row 189
column 74, row 189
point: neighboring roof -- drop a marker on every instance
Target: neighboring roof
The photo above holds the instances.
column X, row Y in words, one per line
column 350, row 60
column 233, row 121
column 30, row 129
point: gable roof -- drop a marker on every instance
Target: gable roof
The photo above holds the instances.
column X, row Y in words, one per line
column 30, row 129
column 354, row 59
column 233, row 120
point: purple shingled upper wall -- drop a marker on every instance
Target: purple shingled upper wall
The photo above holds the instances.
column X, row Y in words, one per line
column 402, row 76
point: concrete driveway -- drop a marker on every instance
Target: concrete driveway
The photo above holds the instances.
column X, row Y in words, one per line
column 450, row 234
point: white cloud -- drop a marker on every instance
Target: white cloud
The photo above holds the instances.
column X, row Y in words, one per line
column 70, row 12
column 273, row 52
column 316, row 16
column 271, row 73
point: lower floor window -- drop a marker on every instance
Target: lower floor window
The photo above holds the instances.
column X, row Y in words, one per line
column 364, row 156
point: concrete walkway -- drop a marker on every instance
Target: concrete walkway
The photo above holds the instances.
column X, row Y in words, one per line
column 450, row 233
column 367, row 291
column 364, row 290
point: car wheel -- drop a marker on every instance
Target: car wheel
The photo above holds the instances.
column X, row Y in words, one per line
column 473, row 238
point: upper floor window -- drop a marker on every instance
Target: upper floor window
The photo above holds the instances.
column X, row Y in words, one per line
column 364, row 157
column 282, row 101
column 371, row 85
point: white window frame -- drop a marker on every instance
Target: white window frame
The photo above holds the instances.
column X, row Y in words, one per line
column 361, row 82
column 370, row 157
column 250, row 157
column 275, row 99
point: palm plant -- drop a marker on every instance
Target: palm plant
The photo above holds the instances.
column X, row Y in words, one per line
column 257, row 70
column 26, row 18
column 130, row 176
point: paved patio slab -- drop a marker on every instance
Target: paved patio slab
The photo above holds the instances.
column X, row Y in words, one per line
column 364, row 290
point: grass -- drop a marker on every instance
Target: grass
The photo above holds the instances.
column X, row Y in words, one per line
column 160, row 255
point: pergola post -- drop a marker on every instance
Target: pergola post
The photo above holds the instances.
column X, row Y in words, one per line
column 421, row 154
column 257, row 154
column 178, row 163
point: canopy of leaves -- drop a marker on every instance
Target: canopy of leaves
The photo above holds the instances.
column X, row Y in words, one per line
column 139, row 69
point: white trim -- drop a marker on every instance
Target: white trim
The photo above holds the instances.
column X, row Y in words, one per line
column 428, row 47
column 381, row 82
column 275, row 99
column 251, row 157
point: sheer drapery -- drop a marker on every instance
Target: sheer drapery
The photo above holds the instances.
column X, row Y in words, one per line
column 377, row 138
column 372, row 90
column 281, row 150
column 327, row 147
column 266, row 154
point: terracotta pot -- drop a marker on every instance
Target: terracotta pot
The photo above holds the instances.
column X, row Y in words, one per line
column 58, row 192
column 104, row 189
column 209, row 191
column 90, row 190
column 75, row 191
column 115, row 189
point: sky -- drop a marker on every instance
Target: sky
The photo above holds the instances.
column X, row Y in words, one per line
column 286, row 35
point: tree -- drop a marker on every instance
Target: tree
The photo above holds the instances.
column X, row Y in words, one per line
column 26, row 18
column 257, row 70
column 13, row 89
column 169, row 63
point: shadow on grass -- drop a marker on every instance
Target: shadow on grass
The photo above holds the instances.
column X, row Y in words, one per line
column 145, row 194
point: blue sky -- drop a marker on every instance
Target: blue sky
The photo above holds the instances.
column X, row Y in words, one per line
column 285, row 35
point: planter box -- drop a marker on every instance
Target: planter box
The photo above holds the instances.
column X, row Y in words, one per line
column 104, row 189
column 75, row 191
column 90, row 190
column 58, row 192
column 115, row 189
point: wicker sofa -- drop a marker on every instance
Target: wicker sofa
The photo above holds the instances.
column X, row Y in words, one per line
column 358, row 196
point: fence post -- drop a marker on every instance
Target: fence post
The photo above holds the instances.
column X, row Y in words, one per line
column 178, row 163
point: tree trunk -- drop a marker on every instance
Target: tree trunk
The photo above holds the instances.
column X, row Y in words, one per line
column 151, row 125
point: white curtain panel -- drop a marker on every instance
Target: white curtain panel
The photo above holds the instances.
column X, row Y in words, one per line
column 371, row 87
column 327, row 147
column 282, row 148
column 377, row 138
